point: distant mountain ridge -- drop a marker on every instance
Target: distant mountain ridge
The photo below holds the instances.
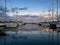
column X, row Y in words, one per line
column 29, row 18
column 23, row 18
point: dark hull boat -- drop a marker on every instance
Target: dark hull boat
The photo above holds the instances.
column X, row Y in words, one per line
column 2, row 33
column 2, row 27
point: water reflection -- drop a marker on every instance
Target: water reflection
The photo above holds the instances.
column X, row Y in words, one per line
column 31, row 35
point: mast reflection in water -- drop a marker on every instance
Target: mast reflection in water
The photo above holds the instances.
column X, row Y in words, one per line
column 31, row 35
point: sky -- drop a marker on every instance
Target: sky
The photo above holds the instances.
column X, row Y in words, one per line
column 34, row 7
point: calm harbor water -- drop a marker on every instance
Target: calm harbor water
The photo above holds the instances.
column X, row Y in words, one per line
column 31, row 35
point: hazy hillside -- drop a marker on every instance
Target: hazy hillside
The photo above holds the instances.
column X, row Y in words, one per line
column 28, row 18
column 23, row 18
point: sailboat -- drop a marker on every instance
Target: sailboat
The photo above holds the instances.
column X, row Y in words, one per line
column 2, row 25
column 54, row 24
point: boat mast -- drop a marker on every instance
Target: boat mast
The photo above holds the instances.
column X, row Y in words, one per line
column 5, row 9
column 49, row 14
column 57, row 10
column 52, row 10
